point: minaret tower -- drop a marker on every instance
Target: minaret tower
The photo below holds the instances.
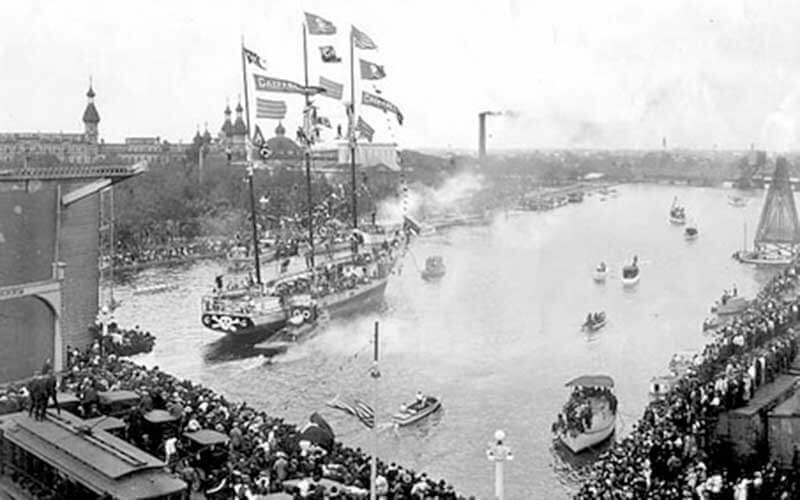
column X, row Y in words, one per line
column 91, row 118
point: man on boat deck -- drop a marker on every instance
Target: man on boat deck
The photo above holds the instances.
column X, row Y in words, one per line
column 420, row 398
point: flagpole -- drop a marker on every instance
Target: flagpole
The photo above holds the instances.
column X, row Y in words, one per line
column 250, row 168
column 376, row 374
column 308, row 157
column 353, row 130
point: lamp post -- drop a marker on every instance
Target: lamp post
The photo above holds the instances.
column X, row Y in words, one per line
column 103, row 317
column 498, row 453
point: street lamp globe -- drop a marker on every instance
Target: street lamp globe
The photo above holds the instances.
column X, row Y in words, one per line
column 499, row 435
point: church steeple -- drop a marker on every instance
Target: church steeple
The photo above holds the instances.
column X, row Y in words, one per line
column 239, row 127
column 227, row 126
column 91, row 118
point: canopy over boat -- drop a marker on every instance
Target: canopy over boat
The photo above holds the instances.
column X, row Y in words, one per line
column 591, row 381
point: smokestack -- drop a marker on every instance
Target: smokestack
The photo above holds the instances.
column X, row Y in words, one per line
column 482, row 140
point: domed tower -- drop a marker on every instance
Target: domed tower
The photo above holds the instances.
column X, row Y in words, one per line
column 91, row 118
column 226, row 131
column 239, row 127
column 206, row 135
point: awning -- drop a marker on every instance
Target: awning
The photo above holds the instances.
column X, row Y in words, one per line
column 591, row 381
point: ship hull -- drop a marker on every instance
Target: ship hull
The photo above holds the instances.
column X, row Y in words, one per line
column 243, row 325
column 677, row 220
column 351, row 302
column 748, row 258
column 580, row 441
column 630, row 282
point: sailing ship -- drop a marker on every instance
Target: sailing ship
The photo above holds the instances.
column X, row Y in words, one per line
column 777, row 238
column 590, row 415
column 677, row 213
column 336, row 288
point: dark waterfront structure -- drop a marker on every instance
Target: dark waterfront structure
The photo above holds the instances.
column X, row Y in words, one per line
column 48, row 261
column 64, row 456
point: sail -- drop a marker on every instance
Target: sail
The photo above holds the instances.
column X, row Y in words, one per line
column 778, row 222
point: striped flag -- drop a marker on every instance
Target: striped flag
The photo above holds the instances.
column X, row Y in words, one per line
column 273, row 110
column 359, row 409
column 332, row 89
column 361, row 40
column 364, row 129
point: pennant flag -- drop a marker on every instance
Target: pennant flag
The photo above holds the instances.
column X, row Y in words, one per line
column 268, row 84
column 371, row 71
column 332, row 89
column 358, row 409
column 364, row 129
column 328, row 53
column 361, row 40
column 319, row 26
column 273, row 110
column 254, row 58
column 375, row 101
column 260, row 145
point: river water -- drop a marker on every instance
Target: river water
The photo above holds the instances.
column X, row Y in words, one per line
column 496, row 338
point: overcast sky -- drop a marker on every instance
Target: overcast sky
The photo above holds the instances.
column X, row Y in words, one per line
column 605, row 74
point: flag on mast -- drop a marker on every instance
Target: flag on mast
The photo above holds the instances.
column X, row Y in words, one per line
column 365, row 129
column 332, row 89
column 361, row 40
column 359, row 409
column 254, row 58
column 328, row 53
column 269, row 84
column 319, row 26
column 371, row 71
column 273, row 110
column 375, row 101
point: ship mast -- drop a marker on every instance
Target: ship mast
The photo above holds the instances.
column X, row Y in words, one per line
column 307, row 153
column 250, row 169
column 352, row 138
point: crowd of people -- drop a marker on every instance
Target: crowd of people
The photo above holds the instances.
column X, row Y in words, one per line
column 130, row 258
column 672, row 452
column 263, row 452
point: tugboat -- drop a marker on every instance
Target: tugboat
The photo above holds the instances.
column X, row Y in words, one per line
column 691, row 233
column 594, row 321
column 434, row 268
column 589, row 417
column 600, row 273
column 631, row 273
column 677, row 213
column 416, row 411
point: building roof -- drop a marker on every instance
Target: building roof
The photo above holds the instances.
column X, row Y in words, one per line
column 239, row 128
column 90, row 115
column 227, row 126
column 93, row 457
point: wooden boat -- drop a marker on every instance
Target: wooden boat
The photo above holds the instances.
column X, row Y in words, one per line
column 434, row 268
column 631, row 274
column 691, row 233
column 162, row 287
column 595, row 390
column 595, row 324
column 600, row 273
column 737, row 201
column 763, row 259
column 414, row 412
column 677, row 213
column 734, row 305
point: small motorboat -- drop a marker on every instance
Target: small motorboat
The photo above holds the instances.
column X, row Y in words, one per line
column 737, row 201
column 677, row 213
column 691, row 233
column 416, row 411
column 600, row 273
column 434, row 268
column 590, row 415
column 594, row 321
column 631, row 273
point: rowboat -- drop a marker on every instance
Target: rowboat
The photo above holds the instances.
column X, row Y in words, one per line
column 434, row 268
column 631, row 274
column 600, row 273
column 415, row 412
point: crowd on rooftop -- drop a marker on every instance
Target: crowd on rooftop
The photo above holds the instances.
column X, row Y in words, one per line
column 672, row 452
